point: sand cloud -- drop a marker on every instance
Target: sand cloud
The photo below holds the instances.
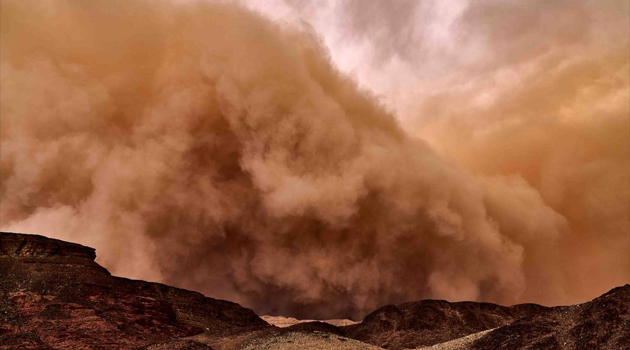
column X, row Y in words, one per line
column 202, row 145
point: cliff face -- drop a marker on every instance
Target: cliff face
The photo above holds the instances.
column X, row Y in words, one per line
column 53, row 295
column 39, row 247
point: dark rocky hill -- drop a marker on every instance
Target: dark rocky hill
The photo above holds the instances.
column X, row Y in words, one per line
column 316, row 327
column 603, row 323
column 429, row 322
column 53, row 295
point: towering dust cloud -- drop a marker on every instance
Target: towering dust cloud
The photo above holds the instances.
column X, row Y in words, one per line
column 201, row 145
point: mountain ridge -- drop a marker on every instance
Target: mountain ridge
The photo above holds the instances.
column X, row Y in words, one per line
column 53, row 295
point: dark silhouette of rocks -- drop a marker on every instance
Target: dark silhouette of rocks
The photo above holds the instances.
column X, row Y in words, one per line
column 53, row 295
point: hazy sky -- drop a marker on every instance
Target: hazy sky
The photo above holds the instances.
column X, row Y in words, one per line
column 405, row 51
column 324, row 158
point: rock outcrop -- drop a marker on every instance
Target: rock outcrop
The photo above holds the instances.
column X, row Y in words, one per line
column 53, row 295
column 429, row 322
column 603, row 323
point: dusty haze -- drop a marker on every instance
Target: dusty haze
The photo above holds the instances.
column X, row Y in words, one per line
column 205, row 146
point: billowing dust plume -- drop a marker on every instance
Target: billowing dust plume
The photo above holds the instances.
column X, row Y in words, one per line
column 203, row 146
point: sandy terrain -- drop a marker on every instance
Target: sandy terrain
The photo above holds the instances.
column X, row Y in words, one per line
column 300, row 341
column 457, row 344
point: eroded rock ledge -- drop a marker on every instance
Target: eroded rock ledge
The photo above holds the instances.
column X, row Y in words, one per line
column 35, row 246
column 53, row 295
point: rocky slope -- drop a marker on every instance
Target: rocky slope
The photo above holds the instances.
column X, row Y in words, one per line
column 53, row 295
column 603, row 323
column 429, row 322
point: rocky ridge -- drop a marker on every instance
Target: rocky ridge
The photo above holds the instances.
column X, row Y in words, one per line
column 430, row 322
column 53, row 295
